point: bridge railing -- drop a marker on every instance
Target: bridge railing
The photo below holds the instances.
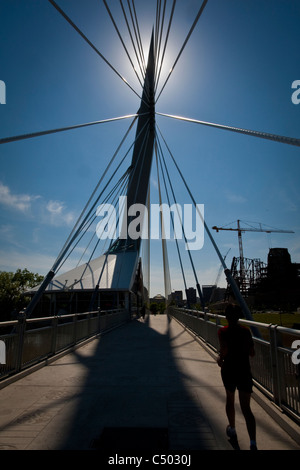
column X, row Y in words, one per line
column 275, row 366
column 29, row 341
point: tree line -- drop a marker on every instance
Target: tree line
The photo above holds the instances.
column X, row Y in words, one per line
column 13, row 288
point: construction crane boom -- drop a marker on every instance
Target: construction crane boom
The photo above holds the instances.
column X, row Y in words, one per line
column 246, row 229
column 240, row 229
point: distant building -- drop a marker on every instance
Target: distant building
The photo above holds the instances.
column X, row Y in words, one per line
column 281, row 270
column 207, row 292
column 77, row 291
column 158, row 299
column 218, row 294
column 176, row 297
column 191, row 295
column 275, row 285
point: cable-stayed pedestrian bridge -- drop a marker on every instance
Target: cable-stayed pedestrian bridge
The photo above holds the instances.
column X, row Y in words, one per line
column 109, row 286
column 113, row 382
column 41, row 346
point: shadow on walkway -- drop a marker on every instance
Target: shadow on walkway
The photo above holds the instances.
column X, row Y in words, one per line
column 135, row 395
column 145, row 386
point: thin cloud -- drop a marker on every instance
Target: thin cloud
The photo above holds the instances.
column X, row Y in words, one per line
column 19, row 202
column 38, row 262
column 57, row 214
column 8, row 234
column 235, row 198
column 288, row 203
column 35, row 262
column 48, row 212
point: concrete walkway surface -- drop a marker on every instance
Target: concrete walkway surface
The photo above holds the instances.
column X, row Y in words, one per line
column 146, row 385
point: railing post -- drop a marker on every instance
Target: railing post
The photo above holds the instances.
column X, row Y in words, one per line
column 218, row 323
column 89, row 328
column 275, row 365
column 21, row 333
column 75, row 329
column 54, row 334
column 205, row 329
column 99, row 321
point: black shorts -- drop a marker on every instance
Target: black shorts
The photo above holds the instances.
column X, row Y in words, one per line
column 237, row 380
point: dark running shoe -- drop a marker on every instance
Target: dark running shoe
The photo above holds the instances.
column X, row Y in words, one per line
column 231, row 433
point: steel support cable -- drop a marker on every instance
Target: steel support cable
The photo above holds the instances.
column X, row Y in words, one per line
column 73, row 235
column 145, row 252
column 159, row 38
column 142, row 149
column 87, row 226
column 93, row 217
column 262, row 135
column 185, row 239
column 138, row 33
column 7, row 140
column 167, row 280
column 160, row 62
column 91, row 44
column 104, row 249
column 157, row 22
column 97, row 186
column 77, row 232
column 98, row 241
column 140, row 155
column 46, row 281
column 122, row 187
column 184, row 44
column 227, row 272
column 194, row 202
column 121, row 207
column 89, row 260
column 166, row 42
column 94, row 294
column 95, row 291
column 93, row 297
column 132, row 41
column 122, row 41
column 176, row 241
column 156, row 29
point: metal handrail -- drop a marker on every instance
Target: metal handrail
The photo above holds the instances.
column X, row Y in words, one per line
column 273, row 371
column 29, row 341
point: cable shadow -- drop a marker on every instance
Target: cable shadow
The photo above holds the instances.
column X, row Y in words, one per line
column 131, row 389
column 135, row 397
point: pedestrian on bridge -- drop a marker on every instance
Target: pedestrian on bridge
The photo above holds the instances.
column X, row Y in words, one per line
column 236, row 348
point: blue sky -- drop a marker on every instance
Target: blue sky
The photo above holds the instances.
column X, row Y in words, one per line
column 237, row 69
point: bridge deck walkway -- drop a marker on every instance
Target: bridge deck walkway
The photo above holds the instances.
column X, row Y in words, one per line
column 146, row 385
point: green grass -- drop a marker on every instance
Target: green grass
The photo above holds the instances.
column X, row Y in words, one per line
column 284, row 319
